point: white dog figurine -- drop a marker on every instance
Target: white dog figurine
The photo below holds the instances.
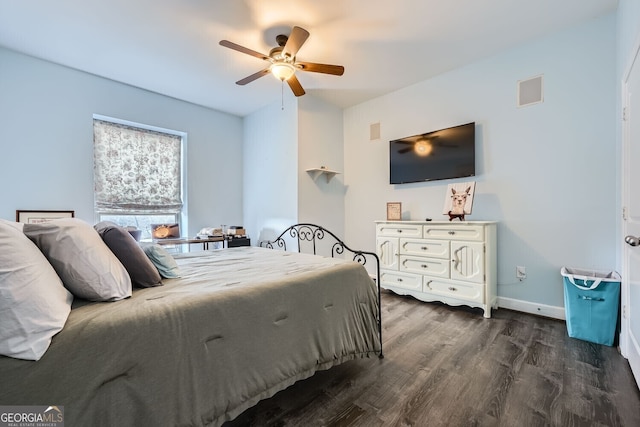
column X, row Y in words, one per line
column 458, row 200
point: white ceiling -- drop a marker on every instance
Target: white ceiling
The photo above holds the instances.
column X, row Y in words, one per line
column 171, row 46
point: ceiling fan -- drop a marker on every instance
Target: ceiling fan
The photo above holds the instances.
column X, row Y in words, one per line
column 283, row 60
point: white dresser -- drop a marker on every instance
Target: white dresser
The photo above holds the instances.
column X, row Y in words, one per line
column 452, row 262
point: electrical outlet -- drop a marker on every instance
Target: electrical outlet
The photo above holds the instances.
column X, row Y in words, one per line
column 521, row 273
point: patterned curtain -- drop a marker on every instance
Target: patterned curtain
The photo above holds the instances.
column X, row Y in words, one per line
column 136, row 170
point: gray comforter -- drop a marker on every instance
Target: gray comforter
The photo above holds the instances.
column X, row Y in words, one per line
column 240, row 325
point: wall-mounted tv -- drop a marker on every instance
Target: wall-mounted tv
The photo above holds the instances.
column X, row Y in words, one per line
column 441, row 154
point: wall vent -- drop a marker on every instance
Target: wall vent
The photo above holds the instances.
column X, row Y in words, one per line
column 530, row 91
column 374, row 131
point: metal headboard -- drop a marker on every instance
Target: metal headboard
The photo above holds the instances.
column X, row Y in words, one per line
column 307, row 235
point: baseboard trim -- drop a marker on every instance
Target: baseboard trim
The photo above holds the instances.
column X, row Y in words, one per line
column 532, row 308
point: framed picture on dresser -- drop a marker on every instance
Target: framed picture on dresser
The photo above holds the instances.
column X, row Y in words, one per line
column 40, row 216
column 394, row 211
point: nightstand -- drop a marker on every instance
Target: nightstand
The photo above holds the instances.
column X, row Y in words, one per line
column 236, row 242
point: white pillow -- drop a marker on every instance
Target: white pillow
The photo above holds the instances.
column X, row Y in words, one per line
column 17, row 225
column 34, row 304
column 83, row 261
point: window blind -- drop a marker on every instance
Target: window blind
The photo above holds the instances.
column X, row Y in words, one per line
column 136, row 170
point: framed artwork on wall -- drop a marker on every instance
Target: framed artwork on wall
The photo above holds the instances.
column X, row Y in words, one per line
column 394, row 211
column 38, row 217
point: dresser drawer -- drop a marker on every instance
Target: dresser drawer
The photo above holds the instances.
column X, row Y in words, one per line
column 399, row 280
column 399, row 229
column 469, row 233
column 422, row 247
column 421, row 265
column 463, row 291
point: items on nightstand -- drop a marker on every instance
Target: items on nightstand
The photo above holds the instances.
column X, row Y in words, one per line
column 236, row 236
column 208, row 232
column 236, row 230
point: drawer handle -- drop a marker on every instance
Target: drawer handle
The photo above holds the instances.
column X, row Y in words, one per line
column 452, row 232
column 424, row 248
column 452, row 289
column 399, row 231
column 424, row 266
column 399, row 279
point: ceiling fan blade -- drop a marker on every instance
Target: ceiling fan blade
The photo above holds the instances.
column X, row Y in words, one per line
column 253, row 77
column 336, row 70
column 296, row 39
column 295, row 86
column 234, row 46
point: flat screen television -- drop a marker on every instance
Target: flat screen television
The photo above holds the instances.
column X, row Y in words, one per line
column 441, row 154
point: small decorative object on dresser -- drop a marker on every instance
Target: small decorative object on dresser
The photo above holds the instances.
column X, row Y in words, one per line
column 439, row 261
column 40, row 216
column 458, row 200
column 394, row 211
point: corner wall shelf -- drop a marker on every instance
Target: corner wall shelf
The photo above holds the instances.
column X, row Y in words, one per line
column 316, row 172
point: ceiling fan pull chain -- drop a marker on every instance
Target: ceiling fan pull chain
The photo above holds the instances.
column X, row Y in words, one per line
column 282, row 94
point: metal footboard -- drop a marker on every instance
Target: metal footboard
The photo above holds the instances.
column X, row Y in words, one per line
column 310, row 238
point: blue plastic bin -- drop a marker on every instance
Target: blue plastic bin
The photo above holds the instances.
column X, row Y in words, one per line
column 591, row 301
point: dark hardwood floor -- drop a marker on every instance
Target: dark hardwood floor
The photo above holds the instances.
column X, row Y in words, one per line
column 448, row 366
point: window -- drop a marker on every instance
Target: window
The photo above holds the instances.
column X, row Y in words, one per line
column 137, row 174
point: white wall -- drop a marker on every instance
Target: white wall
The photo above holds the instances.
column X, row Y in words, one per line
column 628, row 15
column 280, row 145
column 271, row 170
column 320, row 136
column 547, row 172
column 46, row 136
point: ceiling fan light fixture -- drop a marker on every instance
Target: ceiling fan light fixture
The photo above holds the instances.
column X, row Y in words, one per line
column 282, row 70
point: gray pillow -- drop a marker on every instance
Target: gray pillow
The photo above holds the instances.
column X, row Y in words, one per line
column 164, row 262
column 104, row 224
column 34, row 304
column 141, row 270
column 82, row 260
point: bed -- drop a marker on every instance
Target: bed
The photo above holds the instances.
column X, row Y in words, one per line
column 238, row 326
